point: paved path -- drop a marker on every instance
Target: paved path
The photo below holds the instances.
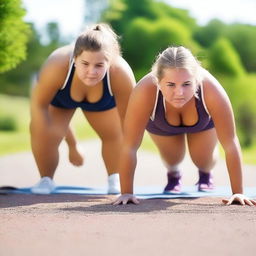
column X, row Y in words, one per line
column 82, row 225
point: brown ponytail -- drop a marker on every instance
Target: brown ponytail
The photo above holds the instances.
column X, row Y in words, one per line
column 99, row 37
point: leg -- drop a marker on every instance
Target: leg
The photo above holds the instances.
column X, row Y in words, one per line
column 202, row 149
column 45, row 145
column 172, row 151
column 203, row 152
column 107, row 125
column 75, row 153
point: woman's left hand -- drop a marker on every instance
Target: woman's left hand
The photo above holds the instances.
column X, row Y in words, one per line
column 239, row 198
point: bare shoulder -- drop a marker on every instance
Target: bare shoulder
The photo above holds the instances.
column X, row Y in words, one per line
column 119, row 64
column 52, row 75
column 211, row 86
column 214, row 94
column 121, row 72
column 148, row 83
column 146, row 89
column 59, row 58
column 56, row 63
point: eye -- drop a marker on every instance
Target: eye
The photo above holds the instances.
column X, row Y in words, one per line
column 171, row 84
column 186, row 84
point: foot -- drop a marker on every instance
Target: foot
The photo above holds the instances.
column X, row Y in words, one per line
column 45, row 186
column 173, row 185
column 113, row 184
column 76, row 155
column 205, row 182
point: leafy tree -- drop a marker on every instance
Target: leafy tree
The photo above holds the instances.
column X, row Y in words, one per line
column 18, row 80
column 246, row 118
column 145, row 38
column 114, row 13
column 241, row 91
column 147, row 28
column 207, row 35
column 121, row 13
column 182, row 15
column 243, row 37
column 14, row 34
column 53, row 33
column 224, row 58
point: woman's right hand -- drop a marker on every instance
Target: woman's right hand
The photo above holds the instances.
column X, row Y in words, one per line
column 125, row 198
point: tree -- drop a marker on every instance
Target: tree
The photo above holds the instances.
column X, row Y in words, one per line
column 247, row 123
column 120, row 13
column 243, row 37
column 145, row 38
column 148, row 27
column 14, row 33
column 18, row 80
column 208, row 34
column 224, row 59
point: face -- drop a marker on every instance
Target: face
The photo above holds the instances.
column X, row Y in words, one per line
column 91, row 67
column 178, row 86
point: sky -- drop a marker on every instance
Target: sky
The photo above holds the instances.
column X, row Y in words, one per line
column 229, row 11
column 69, row 13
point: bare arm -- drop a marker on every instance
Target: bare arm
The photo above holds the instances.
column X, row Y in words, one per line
column 45, row 88
column 122, row 83
column 221, row 111
column 70, row 137
column 140, row 106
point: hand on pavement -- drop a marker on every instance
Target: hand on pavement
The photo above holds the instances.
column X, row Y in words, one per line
column 125, row 198
column 239, row 198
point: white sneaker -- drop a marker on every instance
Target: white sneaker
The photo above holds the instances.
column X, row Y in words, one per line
column 113, row 184
column 45, row 186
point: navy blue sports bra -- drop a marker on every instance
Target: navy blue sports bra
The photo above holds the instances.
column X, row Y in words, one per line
column 62, row 99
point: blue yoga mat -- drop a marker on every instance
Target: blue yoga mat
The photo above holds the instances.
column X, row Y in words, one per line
column 141, row 192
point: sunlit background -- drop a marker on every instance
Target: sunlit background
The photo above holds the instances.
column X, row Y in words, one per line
column 222, row 34
column 72, row 16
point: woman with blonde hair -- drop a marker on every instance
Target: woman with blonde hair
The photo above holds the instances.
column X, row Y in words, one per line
column 180, row 101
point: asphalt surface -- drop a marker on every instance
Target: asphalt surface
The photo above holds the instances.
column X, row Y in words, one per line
column 90, row 225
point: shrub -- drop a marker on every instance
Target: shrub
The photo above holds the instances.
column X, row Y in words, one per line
column 7, row 123
column 224, row 59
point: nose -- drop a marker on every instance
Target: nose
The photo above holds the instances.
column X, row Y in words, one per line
column 178, row 90
column 92, row 71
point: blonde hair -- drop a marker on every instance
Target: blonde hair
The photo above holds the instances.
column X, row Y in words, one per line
column 177, row 57
column 99, row 37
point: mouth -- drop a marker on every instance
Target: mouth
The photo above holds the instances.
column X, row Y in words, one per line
column 91, row 78
column 179, row 99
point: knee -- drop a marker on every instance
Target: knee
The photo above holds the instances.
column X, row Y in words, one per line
column 172, row 160
column 112, row 137
column 205, row 162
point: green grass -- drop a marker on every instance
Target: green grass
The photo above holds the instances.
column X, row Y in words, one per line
column 249, row 155
column 19, row 140
column 18, row 109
